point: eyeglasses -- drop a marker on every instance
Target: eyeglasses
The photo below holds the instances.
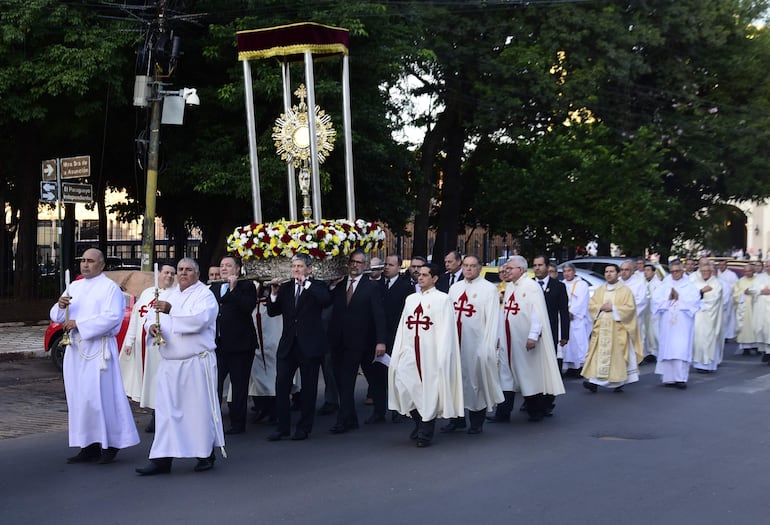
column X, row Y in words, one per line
column 415, row 266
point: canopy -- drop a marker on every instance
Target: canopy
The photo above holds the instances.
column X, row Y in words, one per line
column 292, row 41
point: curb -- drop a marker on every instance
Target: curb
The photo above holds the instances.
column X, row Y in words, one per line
column 24, row 354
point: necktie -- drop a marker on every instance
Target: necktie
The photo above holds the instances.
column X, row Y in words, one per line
column 451, row 279
column 388, row 284
column 541, row 283
column 297, row 294
column 223, row 290
column 350, row 291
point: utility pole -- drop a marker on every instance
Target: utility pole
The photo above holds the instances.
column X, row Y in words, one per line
column 148, row 228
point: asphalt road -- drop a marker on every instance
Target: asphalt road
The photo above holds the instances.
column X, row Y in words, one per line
column 648, row 455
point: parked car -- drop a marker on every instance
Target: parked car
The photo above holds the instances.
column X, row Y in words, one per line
column 54, row 332
column 592, row 279
column 596, row 265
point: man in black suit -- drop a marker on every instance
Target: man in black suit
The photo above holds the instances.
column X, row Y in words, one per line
column 303, row 343
column 236, row 338
column 556, row 301
column 356, row 335
column 453, row 264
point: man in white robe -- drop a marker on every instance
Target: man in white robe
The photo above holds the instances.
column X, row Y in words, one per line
column 761, row 313
column 579, row 322
column 638, row 287
column 743, row 299
column 188, row 422
column 677, row 301
column 649, row 322
column 477, row 313
column 91, row 310
column 708, row 339
column 728, row 279
column 614, row 352
column 424, row 377
column 139, row 357
column 263, row 369
column 527, row 359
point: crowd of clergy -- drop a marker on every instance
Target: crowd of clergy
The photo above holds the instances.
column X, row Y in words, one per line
column 432, row 343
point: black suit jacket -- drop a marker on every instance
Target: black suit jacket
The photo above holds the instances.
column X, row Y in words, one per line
column 302, row 325
column 443, row 285
column 557, row 304
column 235, row 328
column 358, row 326
column 393, row 300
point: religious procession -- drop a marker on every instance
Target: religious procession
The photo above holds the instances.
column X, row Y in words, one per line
column 298, row 299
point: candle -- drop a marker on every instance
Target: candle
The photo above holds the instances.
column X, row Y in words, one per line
column 155, row 267
column 66, row 282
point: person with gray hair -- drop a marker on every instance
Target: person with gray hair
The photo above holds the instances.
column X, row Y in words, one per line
column 676, row 300
column 708, row 341
column 188, row 420
column 300, row 301
column 525, row 347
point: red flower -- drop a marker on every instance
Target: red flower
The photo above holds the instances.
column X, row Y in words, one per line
column 285, row 237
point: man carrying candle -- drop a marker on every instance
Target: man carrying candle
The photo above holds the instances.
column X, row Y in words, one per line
column 91, row 310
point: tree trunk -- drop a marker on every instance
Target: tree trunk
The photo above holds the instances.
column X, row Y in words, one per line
column 451, row 191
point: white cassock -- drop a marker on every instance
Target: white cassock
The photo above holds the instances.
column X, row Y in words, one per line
column 729, row 279
column 638, row 286
column 761, row 312
column 708, row 339
column 424, row 372
column 98, row 409
column 650, row 321
column 132, row 365
column 676, row 328
column 477, row 313
column 744, row 309
column 188, row 422
column 579, row 325
column 535, row 371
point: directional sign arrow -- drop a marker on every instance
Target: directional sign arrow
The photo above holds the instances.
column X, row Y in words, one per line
column 48, row 170
column 48, row 191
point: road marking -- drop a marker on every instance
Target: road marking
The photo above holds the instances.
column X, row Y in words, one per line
column 750, row 386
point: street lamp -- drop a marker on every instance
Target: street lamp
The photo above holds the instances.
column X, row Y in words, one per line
column 172, row 112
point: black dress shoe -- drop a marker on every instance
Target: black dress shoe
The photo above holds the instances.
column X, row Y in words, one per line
column 422, row 442
column 234, row 430
column 327, row 408
column 681, row 385
column 590, row 387
column 107, row 455
column 300, row 435
column 475, row 430
column 154, row 467
column 205, row 464
column 374, row 419
column 618, row 390
column 87, row 454
column 338, row 429
column 259, row 416
column 395, row 417
column 277, row 436
column 496, row 419
column 449, row 427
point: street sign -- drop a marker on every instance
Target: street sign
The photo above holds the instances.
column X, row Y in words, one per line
column 71, row 192
column 76, row 167
column 48, row 191
column 49, row 169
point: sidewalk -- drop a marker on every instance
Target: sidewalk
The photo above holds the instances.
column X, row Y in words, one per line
column 18, row 341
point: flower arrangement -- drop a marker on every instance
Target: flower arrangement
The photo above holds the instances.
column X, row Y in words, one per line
column 260, row 241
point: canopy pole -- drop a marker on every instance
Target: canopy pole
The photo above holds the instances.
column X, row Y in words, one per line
column 346, row 123
column 253, row 160
column 315, row 173
column 291, row 174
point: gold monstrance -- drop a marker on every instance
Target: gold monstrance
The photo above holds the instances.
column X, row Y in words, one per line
column 292, row 142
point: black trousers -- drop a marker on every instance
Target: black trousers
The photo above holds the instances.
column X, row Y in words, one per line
column 423, row 429
column 346, row 365
column 308, row 371
column 477, row 417
column 377, row 376
column 504, row 409
column 238, row 366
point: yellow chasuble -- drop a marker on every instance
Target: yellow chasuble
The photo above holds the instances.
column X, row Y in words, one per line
column 612, row 337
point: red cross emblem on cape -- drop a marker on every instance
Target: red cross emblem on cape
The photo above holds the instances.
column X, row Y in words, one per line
column 417, row 321
column 462, row 306
column 511, row 307
column 145, row 307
